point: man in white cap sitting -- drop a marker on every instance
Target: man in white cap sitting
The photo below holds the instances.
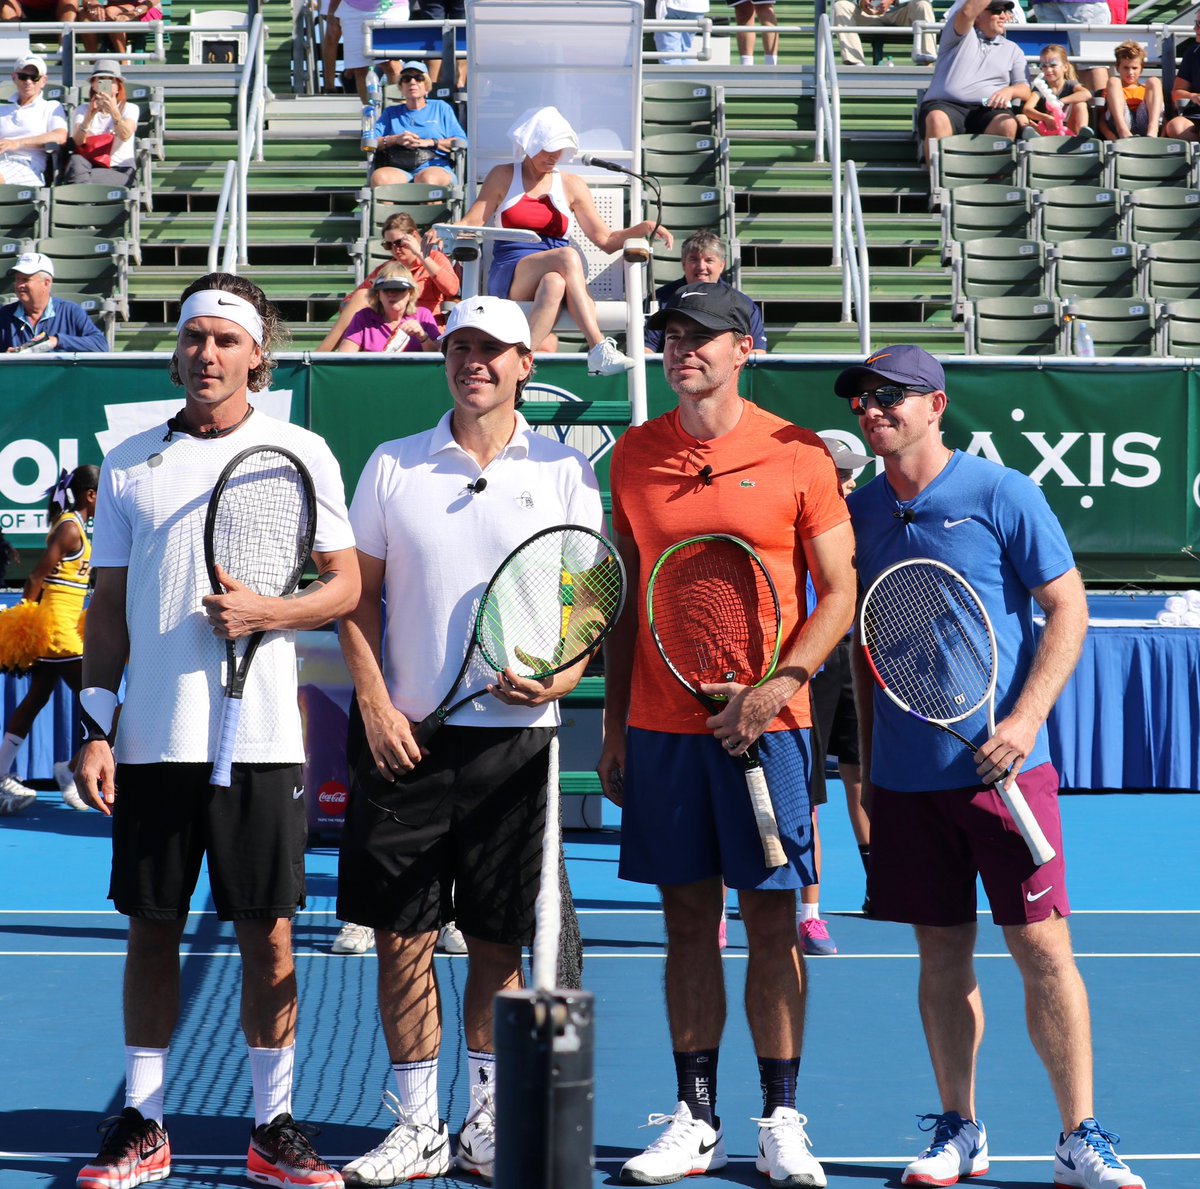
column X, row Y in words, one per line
column 36, row 321
column 30, row 126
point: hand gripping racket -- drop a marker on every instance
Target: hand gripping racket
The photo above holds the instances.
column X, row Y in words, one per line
column 550, row 603
column 930, row 644
column 259, row 529
column 714, row 615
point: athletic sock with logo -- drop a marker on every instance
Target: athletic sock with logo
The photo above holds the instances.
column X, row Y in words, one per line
column 271, row 1076
column 778, row 1077
column 481, row 1067
column 145, row 1074
column 416, row 1088
column 696, row 1074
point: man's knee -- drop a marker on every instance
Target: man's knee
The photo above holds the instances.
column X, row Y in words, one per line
column 937, row 125
column 843, row 12
column 1004, row 124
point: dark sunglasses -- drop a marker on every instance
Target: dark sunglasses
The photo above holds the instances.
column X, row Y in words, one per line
column 393, row 243
column 27, row 78
column 412, row 78
column 887, row 396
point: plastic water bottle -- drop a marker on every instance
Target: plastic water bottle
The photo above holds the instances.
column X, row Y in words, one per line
column 1085, row 348
column 370, row 113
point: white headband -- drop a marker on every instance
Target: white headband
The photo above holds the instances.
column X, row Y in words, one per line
column 216, row 303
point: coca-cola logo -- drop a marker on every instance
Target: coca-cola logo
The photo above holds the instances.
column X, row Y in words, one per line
column 332, row 797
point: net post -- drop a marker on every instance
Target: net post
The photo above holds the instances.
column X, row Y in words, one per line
column 545, row 1088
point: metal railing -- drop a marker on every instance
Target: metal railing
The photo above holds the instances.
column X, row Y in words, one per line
column 829, row 125
column 251, row 116
column 227, row 210
column 856, row 265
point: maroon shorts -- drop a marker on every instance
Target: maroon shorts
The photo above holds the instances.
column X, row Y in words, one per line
column 928, row 848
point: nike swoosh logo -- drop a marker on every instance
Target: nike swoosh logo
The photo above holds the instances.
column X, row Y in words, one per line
column 463, row 1146
column 975, row 1151
column 948, row 523
column 706, row 1148
column 1067, row 1161
column 430, row 1153
column 691, row 293
column 222, row 302
column 298, row 793
column 1034, row 896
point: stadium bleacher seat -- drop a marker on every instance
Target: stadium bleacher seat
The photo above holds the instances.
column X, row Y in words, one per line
column 1163, row 213
column 1145, row 161
column 90, row 265
column 1086, row 268
column 1173, row 270
column 679, row 106
column 997, row 268
column 969, row 160
column 1118, row 326
column 690, row 208
column 1181, row 328
column 1012, row 326
column 687, row 157
column 24, row 211
column 976, row 212
column 1051, row 161
column 106, row 212
column 1079, row 212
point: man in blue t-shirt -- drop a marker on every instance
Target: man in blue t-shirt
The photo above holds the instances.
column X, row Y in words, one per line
column 937, row 822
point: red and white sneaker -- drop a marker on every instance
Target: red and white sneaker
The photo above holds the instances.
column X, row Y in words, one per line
column 133, row 1152
column 281, row 1155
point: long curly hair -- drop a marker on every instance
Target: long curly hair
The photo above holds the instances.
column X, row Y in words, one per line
column 275, row 334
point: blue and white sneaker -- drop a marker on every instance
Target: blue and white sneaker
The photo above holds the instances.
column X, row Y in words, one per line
column 959, row 1149
column 1085, row 1160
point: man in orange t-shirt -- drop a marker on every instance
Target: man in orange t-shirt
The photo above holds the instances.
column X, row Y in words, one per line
column 718, row 464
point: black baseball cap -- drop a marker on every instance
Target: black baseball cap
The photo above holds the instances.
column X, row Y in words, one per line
column 714, row 306
column 903, row 364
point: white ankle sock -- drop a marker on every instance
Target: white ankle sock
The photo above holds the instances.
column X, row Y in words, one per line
column 8, row 752
column 481, row 1068
column 271, row 1074
column 417, row 1089
column 770, row 59
column 145, row 1074
column 747, row 59
column 809, row 912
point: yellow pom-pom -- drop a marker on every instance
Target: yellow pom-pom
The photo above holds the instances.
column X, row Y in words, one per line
column 25, row 635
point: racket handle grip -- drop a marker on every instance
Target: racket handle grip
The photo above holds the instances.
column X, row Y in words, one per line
column 764, row 817
column 222, row 769
column 1027, row 824
column 425, row 729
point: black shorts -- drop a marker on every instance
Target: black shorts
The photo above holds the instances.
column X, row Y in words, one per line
column 440, row 10
column 964, row 117
column 835, row 720
column 457, row 838
column 167, row 817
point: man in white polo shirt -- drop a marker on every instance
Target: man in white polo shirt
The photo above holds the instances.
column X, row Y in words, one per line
column 453, row 831
column 29, row 126
column 977, row 76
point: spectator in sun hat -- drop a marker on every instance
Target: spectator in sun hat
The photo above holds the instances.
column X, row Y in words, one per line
column 37, row 321
column 415, row 138
column 103, row 131
column 30, row 126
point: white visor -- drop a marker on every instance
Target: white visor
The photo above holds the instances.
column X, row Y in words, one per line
column 216, row 303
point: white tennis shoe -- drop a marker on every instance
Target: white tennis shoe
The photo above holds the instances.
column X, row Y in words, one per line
column 605, row 359
column 1085, row 1159
column 477, row 1140
column 409, row 1151
column 450, row 939
column 14, row 796
column 959, row 1149
column 354, row 939
column 686, row 1148
column 785, row 1151
column 65, row 779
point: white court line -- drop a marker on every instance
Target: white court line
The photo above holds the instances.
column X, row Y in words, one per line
column 178, row 1158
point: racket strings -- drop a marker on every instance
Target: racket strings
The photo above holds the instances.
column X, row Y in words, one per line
column 551, row 603
column 714, row 614
column 262, row 524
column 929, row 642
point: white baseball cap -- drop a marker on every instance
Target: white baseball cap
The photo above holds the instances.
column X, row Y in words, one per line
column 504, row 320
column 29, row 263
column 34, row 60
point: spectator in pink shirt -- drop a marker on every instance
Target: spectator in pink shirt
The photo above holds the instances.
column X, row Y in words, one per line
column 392, row 321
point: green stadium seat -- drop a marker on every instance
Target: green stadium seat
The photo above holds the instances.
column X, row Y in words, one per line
column 1143, row 161
column 1164, row 213
column 693, row 158
column 690, row 208
column 1173, row 270
column 1012, row 326
column 997, row 268
column 677, row 105
column 1118, row 326
column 969, row 160
column 978, row 212
column 1051, row 161
column 23, row 211
column 1079, row 212
column 1181, row 326
column 90, row 265
column 1086, row 268
column 108, row 212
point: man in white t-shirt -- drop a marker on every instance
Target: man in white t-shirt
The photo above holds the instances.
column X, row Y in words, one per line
column 29, row 126
column 453, row 830
column 153, row 604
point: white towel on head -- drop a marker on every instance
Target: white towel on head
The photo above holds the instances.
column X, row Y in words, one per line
column 543, row 129
column 1169, row 619
column 1176, row 604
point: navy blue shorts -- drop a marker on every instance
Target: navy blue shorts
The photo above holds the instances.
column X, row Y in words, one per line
column 686, row 815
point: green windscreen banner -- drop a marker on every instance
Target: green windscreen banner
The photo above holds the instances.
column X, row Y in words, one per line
column 1115, row 448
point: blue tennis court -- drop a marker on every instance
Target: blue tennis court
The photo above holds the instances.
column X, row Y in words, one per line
column 865, row 1076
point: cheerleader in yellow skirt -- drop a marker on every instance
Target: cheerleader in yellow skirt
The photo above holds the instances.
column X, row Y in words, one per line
column 58, row 584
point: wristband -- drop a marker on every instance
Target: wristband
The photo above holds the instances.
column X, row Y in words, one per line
column 98, row 708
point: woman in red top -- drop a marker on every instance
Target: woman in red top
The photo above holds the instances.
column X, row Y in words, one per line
column 534, row 195
column 433, row 272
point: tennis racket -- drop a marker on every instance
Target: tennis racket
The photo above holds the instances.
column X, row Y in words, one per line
column 548, row 605
column 930, row 644
column 261, row 518
column 714, row 616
